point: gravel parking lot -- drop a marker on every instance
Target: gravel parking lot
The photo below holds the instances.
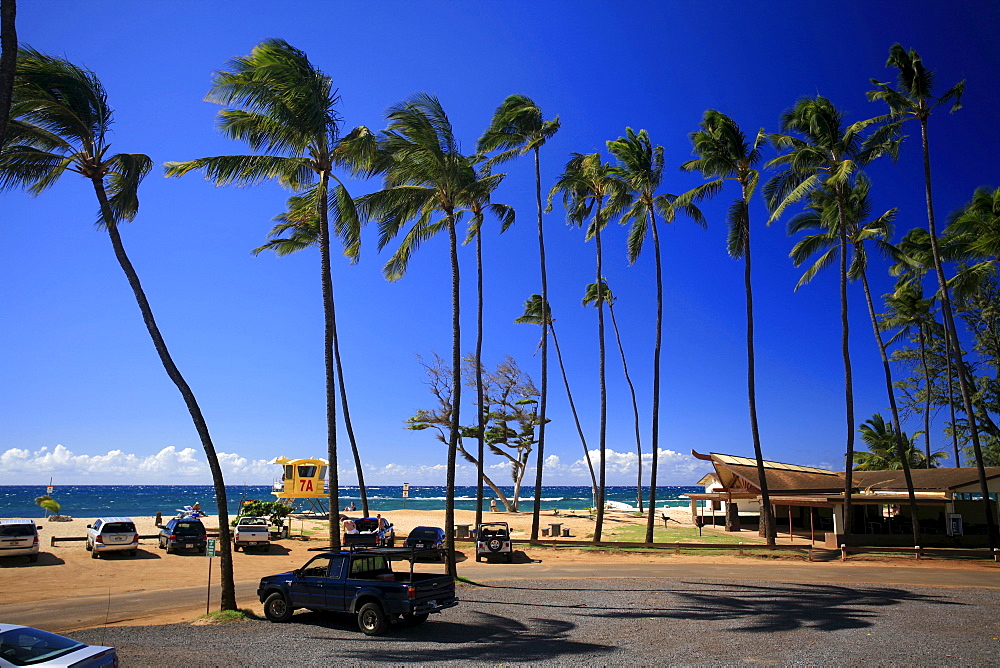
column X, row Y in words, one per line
column 614, row 621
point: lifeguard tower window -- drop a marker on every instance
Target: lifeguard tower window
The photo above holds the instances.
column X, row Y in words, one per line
column 289, row 472
column 307, row 471
column 322, row 473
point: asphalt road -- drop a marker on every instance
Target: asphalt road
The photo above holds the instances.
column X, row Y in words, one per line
column 66, row 615
column 613, row 621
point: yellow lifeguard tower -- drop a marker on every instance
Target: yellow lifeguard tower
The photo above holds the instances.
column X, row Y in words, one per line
column 302, row 480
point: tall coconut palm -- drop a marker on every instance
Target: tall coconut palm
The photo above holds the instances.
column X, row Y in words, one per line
column 913, row 316
column 824, row 217
column 913, row 98
column 640, row 167
column 597, row 293
column 63, row 118
column 724, row 154
column 518, row 127
column 478, row 204
column 426, row 175
column 593, row 194
column 299, row 228
column 279, row 102
column 973, row 237
column 533, row 316
column 8, row 61
column 883, row 449
column 826, row 154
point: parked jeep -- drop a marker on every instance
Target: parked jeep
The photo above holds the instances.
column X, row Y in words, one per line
column 493, row 539
column 361, row 584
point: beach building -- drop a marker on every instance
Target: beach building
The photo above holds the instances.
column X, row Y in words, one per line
column 808, row 502
column 303, row 483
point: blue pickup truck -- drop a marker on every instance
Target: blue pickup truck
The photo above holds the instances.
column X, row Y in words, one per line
column 363, row 584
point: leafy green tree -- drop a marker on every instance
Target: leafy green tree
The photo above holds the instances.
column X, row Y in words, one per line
column 823, row 217
column 533, row 316
column 593, row 194
column 426, row 175
column 600, row 292
column 973, row 237
column 724, row 154
column 913, row 98
column 640, row 167
column 518, row 127
column 883, row 449
column 280, row 103
column 62, row 117
column 826, row 154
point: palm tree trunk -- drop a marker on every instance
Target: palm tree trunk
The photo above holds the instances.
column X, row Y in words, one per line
column 956, row 347
column 654, row 440
column 635, row 404
column 225, row 537
column 456, row 372
column 848, row 376
column 927, row 401
column 481, row 433
column 347, row 413
column 603, row 431
column 901, row 445
column 326, row 279
column 951, row 396
column 766, row 511
column 543, row 400
column 576, row 416
column 8, row 61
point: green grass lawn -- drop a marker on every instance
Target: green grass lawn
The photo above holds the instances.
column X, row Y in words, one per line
column 673, row 534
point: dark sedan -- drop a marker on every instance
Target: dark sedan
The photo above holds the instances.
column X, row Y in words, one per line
column 426, row 538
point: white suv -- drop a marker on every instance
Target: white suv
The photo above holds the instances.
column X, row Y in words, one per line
column 112, row 534
column 19, row 538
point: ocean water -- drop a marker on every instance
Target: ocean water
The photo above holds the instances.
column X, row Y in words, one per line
column 143, row 500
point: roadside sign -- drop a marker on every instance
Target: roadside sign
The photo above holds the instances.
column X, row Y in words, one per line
column 48, row 490
column 406, row 490
column 210, row 551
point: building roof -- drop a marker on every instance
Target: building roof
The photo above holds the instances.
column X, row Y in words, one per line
column 740, row 473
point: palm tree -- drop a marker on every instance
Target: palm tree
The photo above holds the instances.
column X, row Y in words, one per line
column 517, row 128
column 533, row 316
column 595, row 294
column 823, row 216
column 724, row 154
column 591, row 186
column 302, row 226
column 826, row 155
column 912, row 315
column 973, row 237
column 63, row 118
column 478, row 204
column 913, row 98
column 8, row 61
column 426, row 175
column 280, row 103
column 640, row 166
column 884, row 452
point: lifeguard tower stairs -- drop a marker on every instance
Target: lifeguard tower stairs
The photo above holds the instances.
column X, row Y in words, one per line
column 302, row 485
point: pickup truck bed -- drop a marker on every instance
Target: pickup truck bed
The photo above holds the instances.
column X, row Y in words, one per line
column 359, row 583
column 252, row 532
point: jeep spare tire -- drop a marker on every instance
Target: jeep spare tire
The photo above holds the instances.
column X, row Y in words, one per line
column 494, row 544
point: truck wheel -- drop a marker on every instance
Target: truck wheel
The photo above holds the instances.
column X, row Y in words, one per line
column 93, row 554
column 371, row 619
column 414, row 619
column 236, row 548
column 276, row 608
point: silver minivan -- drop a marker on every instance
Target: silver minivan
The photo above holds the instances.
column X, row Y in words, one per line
column 112, row 534
column 19, row 538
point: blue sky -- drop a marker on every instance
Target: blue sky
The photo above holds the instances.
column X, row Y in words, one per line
column 84, row 397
